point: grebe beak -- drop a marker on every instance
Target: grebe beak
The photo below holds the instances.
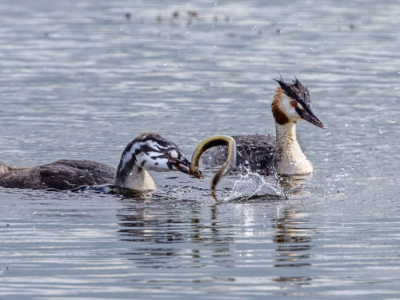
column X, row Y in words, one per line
column 182, row 165
column 308, row 115
column 218, row 140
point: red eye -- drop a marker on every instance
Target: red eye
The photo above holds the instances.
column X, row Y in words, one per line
column 293, row 103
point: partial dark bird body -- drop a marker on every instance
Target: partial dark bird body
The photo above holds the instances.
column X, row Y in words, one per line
column 61, row 175
column 254, row 153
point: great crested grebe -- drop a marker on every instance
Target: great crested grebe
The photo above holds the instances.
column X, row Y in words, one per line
column 147, row 152
column 264, row 154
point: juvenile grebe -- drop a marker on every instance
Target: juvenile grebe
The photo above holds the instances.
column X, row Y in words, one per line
column 147, row 152
column 264, row 154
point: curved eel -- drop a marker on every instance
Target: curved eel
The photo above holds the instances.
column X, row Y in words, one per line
column 229, row 165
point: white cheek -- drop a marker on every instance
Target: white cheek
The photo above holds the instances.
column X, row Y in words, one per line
column 289, row 109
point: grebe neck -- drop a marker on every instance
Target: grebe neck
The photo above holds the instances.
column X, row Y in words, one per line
column 289, row 159
column 134, row 178
column 130, row 175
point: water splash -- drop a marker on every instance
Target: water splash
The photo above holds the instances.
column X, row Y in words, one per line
column 254, row 185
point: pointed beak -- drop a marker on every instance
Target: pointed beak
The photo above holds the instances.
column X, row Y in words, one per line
column 308, row 115
column 183, row 165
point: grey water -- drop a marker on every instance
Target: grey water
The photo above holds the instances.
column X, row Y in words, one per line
column 80, row 79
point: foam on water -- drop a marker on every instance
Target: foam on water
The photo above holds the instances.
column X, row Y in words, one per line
column 254, row 185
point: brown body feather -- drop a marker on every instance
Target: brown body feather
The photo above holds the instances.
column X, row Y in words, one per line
column 61, row 175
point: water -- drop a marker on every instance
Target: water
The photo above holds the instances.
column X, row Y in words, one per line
column 79, row 80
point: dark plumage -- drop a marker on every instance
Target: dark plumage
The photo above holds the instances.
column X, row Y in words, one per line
column 255, row 153
column 61, row 175
column 296, row 91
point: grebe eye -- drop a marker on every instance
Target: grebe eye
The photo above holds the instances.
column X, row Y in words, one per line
column 293, row 103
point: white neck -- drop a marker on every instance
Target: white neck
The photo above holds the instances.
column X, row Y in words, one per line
column 289, row 159
column 137, row 179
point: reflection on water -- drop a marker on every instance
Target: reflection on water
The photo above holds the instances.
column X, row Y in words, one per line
column 174, row 240
column 293, row 239
column 156, row 238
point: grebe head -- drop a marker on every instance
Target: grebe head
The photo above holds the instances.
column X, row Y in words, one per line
column 151, row 152
column 292, row 103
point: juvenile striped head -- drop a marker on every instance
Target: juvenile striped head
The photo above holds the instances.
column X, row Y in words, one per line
column 151, row 152
column 292, row 102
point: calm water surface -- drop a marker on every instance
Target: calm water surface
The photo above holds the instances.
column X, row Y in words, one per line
column 79, row 80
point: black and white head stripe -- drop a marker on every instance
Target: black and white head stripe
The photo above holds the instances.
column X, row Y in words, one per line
column 296, row 91
column 152, row 152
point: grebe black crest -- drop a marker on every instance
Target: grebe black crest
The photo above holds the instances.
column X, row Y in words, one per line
column 265, row 154
column 147, row 152
column 301, row 101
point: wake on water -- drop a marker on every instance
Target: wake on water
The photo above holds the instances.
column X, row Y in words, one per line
column 254, row 185
column 247, row 186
